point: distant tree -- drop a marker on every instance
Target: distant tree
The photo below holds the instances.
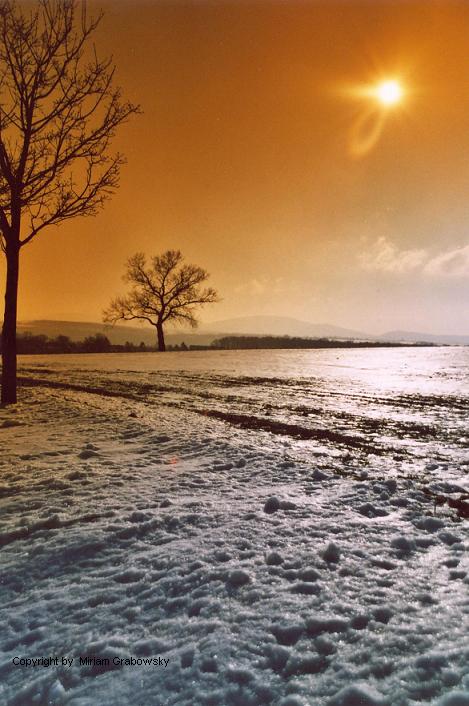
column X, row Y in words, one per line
column 58, row 114
column 167, row 290
column 62, row 344
column 31, row 343
column 96, row 344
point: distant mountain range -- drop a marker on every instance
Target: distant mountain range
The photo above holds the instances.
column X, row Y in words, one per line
column 286, row 326
column 279, row 326
column 412, row 336
column 249, row 325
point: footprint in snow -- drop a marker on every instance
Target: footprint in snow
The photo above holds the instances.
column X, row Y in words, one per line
column 87, row 453
column 10, row 423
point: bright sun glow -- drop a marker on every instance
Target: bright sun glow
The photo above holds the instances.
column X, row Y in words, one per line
column 389, row 92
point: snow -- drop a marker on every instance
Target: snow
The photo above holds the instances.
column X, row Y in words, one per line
column 357, row 695
column 134, row 528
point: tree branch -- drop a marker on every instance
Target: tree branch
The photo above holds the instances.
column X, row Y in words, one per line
column 58, row 112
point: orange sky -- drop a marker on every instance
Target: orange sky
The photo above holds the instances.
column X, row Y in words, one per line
column 243, row 160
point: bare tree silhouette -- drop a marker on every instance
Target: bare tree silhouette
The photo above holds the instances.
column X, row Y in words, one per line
column 58, row 114
column 168, row 290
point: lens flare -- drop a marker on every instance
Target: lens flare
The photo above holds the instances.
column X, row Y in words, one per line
column 366, row 132
column 378, row 99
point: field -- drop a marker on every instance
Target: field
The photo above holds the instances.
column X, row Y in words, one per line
column 236, row 528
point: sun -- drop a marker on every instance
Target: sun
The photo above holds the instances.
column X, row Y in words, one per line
column 389, row 92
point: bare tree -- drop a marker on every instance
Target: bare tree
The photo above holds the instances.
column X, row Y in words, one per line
column 168, row 290
column 58, row 114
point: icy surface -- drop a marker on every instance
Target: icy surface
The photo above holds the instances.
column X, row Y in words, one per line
column 200, row 517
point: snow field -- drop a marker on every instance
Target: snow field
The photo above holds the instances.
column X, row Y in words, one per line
column 135, row 530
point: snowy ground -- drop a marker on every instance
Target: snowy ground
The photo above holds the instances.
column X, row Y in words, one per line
column 258, row 573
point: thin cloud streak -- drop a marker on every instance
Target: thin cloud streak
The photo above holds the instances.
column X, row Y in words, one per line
column 266, row 286
column 385, row 256
column 453, row 263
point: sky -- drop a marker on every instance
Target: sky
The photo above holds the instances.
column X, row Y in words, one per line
column 261, row 155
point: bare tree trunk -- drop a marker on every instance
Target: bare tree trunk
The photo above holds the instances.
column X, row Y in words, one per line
column 9, row 325
column 161, row 343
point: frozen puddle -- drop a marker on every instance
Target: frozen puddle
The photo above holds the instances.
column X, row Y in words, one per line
column 189, row 561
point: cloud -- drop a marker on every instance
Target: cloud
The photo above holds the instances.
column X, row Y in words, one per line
column 453, row 263
column 265, row 285
column 385, row 256
column 253, row 287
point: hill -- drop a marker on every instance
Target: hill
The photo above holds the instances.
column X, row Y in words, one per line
column 412, row 336
column 279, row 326
column 118, row 335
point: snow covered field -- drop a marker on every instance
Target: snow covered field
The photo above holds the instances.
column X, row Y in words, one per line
column 236, row 528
